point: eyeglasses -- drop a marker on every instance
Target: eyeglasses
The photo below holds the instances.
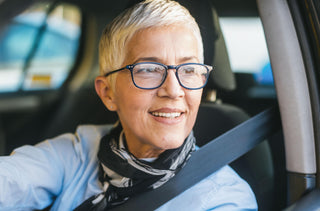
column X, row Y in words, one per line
column 151, row 75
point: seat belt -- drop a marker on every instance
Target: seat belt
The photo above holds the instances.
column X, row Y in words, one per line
column 209, row 158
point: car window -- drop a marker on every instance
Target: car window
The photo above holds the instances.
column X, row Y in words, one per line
column 38, row 49
column 247, row 48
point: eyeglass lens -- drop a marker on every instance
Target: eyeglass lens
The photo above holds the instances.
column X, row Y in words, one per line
column 150, row 76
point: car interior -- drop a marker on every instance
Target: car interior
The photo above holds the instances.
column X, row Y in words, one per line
column 30, row 115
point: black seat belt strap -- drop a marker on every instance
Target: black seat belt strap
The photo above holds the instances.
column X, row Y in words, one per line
column 209, row 158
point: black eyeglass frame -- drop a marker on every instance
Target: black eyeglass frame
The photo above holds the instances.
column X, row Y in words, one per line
column 167, row 67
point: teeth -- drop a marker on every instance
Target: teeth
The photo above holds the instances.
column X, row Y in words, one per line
column 166, row 115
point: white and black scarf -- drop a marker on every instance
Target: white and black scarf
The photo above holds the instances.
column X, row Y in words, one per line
column 123, row 175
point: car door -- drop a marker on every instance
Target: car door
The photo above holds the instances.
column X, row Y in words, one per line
column 292, row 33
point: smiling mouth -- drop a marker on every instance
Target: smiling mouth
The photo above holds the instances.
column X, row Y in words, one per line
column 166, row 115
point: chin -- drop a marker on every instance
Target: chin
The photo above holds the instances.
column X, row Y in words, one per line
column 173, row 144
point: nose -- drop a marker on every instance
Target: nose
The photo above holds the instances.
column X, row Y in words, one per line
column 171, row 87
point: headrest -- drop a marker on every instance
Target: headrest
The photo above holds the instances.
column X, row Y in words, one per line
column 222, row 77
column 215, row 51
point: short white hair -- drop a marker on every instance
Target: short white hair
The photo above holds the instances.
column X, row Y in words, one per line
column 146, row 14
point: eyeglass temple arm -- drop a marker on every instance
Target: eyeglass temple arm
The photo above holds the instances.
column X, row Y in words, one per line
column 114, row 71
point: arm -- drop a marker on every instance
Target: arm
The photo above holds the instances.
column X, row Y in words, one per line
column 32, row 176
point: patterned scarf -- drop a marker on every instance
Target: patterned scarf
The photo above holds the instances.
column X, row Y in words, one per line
column 123, row 175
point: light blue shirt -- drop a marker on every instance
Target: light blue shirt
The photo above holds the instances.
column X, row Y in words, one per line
column 65, row 170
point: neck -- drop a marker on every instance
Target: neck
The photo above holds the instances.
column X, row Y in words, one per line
column 140, row 150
column 144, row 151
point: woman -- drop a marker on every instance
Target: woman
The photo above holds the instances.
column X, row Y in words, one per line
column 152, row 75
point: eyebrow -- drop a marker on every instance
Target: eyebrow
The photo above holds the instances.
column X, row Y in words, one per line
column 156, row 59
column 147, row 59
column 188, row 58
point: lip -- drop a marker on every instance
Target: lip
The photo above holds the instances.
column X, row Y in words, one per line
column 170, row 118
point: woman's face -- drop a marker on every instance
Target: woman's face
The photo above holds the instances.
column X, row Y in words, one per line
column 148, row 133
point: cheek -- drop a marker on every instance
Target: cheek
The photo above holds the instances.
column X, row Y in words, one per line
column 131, row 100
column 193, row 99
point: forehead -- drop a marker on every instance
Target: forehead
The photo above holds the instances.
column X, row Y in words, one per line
column 163, row 43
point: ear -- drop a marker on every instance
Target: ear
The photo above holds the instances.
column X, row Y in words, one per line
column 105, row 92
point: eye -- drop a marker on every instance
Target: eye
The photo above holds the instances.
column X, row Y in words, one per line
column 193, row 70
column 148, row 69
column 145, row 70
column 188, row 70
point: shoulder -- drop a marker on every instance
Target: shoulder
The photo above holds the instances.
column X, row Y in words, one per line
column 228, row 190
column 75, row 152
column 86, row 134
column 63, row 150
column 222, row 190
column 84, row 141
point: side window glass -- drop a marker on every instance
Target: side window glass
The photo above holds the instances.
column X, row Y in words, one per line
column 39, row 47
column 247, row 48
